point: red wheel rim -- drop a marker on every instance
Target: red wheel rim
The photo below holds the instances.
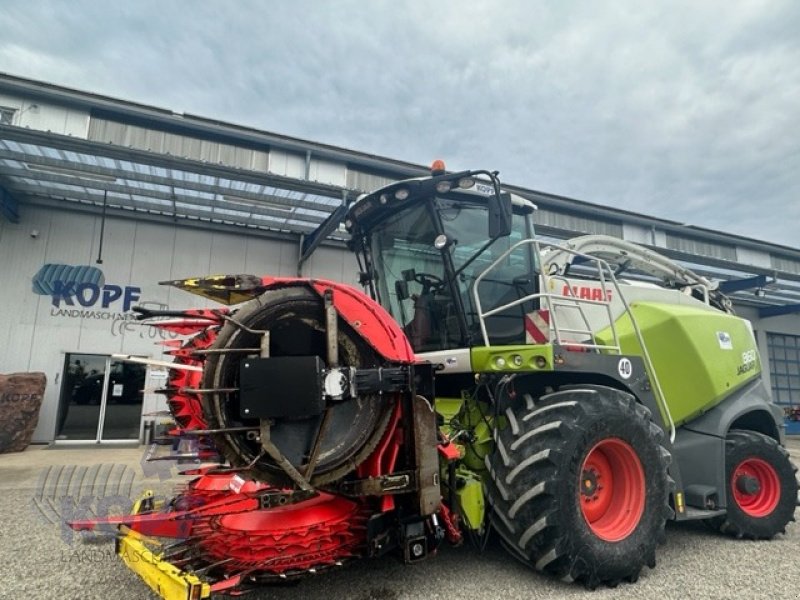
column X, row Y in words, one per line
column 611, row 490
column 761, row 500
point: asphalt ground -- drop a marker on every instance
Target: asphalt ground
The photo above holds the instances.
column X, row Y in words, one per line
column 40, row 559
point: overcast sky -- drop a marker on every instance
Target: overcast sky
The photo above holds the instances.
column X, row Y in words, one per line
column 683, row 110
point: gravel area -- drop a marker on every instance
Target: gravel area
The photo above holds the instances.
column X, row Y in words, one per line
column 42, row 560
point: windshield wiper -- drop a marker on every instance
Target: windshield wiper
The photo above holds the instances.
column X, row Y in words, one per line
column 472, row 258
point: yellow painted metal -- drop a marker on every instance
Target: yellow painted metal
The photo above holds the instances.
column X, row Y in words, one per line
column 226, row 289
column 679, row 504
column 165, row 579
column 146, row 496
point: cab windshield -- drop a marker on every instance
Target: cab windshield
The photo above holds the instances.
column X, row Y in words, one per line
column 414, row 279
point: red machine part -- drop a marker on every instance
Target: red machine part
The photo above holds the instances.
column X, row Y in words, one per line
column 213, row 486
column 366, row 317
column 312, row 534
column 384, row 458
column 361, row 312
column 219, row 513
column 762, row 496
column 228, row 527
column 219, row 516
column 211, row 494
column 450, row 520
column 204, row 325
column 184, row 405
column 612, row 489
column 297, row 538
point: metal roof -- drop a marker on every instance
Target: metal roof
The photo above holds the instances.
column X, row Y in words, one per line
column 44, row 168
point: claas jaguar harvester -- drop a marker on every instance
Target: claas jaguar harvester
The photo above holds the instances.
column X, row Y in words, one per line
column 569, row 399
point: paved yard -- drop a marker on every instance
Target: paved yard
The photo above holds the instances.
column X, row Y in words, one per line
column 41, row 560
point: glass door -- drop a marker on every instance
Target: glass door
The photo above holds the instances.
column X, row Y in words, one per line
column 121, row 416
column 82, row 387
column 101, row 399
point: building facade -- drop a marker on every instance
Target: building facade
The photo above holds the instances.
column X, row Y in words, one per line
column 101, row 199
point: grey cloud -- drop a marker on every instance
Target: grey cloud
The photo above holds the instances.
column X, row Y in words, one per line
column 682, row 110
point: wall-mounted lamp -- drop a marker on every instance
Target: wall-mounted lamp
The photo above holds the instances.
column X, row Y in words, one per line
column 34, row 108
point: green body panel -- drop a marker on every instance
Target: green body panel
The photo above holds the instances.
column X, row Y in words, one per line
column 448, row 408
column 512, row 359
column 471, row 502
column 460, row 416
column 478, row 420
column 699, row 356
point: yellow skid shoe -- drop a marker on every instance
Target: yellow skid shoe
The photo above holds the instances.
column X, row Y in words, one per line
column 165, row 579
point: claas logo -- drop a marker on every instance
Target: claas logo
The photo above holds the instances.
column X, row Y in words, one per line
column 585, row 292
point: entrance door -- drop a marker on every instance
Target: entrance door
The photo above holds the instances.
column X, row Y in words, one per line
column 121, row 416
column 101, row 399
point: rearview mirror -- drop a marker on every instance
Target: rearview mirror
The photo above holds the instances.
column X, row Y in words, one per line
column 499, row 215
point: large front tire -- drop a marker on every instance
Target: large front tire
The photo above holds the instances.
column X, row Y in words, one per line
column 579, row 485
column 761, row 487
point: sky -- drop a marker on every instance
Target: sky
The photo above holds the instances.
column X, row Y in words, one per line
column 683, row 110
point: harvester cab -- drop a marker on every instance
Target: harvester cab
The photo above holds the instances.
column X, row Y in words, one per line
column 423, row 243
column 528, row 338
column 489, row 383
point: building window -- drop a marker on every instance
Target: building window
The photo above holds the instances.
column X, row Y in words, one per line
column 6, row 115
column 784, row 368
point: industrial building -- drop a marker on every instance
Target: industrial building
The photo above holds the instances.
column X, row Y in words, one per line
column 100, row 199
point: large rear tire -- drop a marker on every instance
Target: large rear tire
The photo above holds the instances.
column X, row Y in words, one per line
column 761, row 486
column 579, row 484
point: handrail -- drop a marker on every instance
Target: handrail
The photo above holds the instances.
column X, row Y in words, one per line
column 570, row 301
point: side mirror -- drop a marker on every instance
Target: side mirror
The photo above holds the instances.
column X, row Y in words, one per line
column 499, row 215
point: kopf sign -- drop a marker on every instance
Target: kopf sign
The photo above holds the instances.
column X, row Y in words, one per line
column 88, row 294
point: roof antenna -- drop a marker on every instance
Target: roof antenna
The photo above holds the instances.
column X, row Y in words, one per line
column 102, row 229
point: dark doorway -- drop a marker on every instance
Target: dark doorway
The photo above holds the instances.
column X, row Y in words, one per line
column 101, row 399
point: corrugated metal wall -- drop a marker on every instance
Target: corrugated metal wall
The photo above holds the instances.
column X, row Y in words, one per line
column 153, row 140
column 574, row 222
column 46, row 117
column 700, row 247
column 785, row 264
column 279, row 162
column 36, row 334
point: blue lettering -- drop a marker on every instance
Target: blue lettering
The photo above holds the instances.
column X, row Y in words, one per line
column 132, row 294
column 89, row 294
column 111, row 293
column 80, row 294
column 63, row 291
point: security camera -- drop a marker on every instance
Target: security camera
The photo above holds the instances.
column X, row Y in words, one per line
column 34, row 233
